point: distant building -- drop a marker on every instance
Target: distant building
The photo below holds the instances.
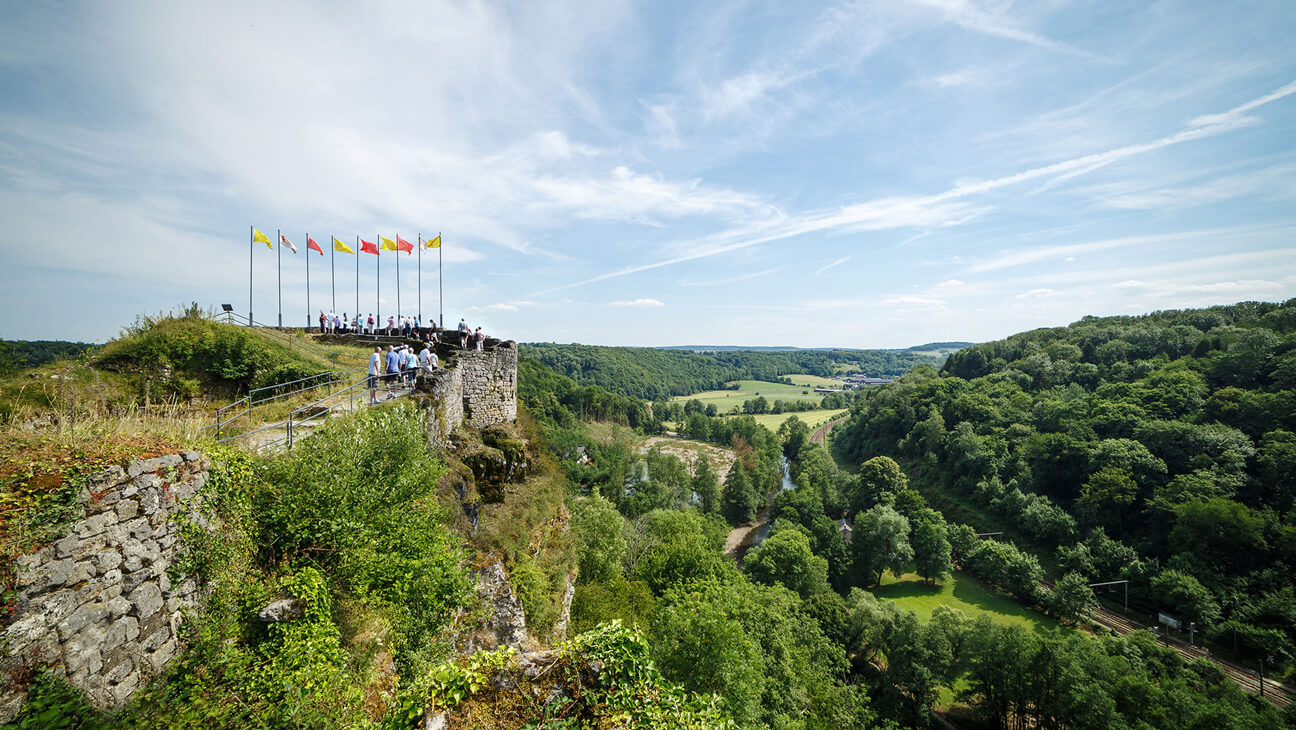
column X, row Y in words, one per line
column 867, row 381
column 844, row 529
column 826, row 391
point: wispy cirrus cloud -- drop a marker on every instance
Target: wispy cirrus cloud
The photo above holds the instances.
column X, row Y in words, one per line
column 643, row 303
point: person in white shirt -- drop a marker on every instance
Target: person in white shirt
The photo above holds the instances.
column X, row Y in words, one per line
column 375, row 361
column 330, row 320
column 427, row 358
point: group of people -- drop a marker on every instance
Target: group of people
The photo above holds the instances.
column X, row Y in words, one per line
column 399, row 367
column 467, row 335
column 406, row 325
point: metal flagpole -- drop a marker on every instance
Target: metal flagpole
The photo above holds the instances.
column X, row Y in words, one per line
column 308, row 282
column 357, row 255
column 333, row 274
column 440, row 283
column 251, row 244
column 420, row 278
column 398, row 306
column 279, row 271
column 378, row 283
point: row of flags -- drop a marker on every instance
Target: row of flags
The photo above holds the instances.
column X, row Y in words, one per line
column 384, row 244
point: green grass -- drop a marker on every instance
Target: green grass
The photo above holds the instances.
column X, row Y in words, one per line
column 725, row 400
column 965, row 593
column 813, row 419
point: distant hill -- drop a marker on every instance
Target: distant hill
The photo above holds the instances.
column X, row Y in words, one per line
column 659, row 373
column 22, row 354
column 942, row 347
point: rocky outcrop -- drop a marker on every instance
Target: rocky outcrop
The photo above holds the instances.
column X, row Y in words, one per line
column 479, row 389
column 98, row 606
column 506, row 625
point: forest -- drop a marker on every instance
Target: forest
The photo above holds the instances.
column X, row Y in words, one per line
column 23, row 354
column 1094, row 467
column 658, row 374
column 1158, row 449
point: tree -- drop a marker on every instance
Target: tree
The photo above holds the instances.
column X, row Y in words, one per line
column 600, row 543
column 786, row 558
column 880, row 479
column 794, row 434
column 1071, row 598
column 1186, row 596
column 738, row 500
column 931, row 548
column 879, row 541
column 1105, row 496
column 706, row 486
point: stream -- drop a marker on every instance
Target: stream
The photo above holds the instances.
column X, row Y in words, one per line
column 758, row 533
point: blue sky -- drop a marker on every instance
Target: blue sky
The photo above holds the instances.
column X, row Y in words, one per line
column 871, row 174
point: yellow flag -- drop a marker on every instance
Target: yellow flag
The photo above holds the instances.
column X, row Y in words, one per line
column 388, row 244
column 433, row 242
column 339, row 246
column 259, row 237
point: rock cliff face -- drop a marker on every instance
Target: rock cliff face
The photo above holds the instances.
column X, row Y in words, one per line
column 98, row 605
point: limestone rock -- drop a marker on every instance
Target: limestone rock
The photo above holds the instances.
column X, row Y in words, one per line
column 284, row 609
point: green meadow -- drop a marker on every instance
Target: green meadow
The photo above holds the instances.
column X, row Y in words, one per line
column 965, row 593
column 725, row 400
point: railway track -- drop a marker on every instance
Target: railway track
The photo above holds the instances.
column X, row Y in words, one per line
column 1277, row 693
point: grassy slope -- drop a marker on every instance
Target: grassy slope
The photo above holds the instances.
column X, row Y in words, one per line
column 965, row 593
column 813, row 419
column 749, row 389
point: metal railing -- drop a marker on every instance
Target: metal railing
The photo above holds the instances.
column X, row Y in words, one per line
column 349, row 398
column 225, row 417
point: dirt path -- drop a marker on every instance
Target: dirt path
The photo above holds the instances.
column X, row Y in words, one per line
column 820, row 435
column 738, row 536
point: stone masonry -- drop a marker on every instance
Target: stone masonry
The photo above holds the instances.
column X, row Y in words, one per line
column 479, row 389
column 97, row 606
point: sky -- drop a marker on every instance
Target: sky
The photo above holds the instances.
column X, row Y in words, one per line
column 862, row 174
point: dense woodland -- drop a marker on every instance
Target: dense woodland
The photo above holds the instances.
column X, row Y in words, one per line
column 22, row 354
column 1160, row 449
column 794, row 637
column 655, row 374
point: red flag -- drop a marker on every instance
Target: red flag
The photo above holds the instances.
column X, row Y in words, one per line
column 367, row 247
column 404, row 245
column 310, row 243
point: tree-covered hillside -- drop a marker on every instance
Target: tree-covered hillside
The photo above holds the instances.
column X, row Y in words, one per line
column 21, row 354
column 1161, row 449
column 657, row 374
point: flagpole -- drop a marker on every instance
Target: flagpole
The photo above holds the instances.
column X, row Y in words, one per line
column 357, row 255
column 308, row 282
column 420, row 278
column 398, row 306
column 378, row 284
column 440, row 289
column 333, row 274
column 251, row 244
column 279, row 272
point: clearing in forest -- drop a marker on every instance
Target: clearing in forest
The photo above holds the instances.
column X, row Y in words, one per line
column 965, row 593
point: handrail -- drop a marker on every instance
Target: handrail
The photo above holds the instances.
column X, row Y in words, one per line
column 222, row 420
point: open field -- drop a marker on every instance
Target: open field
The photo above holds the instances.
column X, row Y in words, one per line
column 965, row 593
column 813, row 419
column 814, row 381
column 725, row 400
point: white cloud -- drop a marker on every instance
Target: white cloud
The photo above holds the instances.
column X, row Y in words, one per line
column 1035, row 293
column 644, row 303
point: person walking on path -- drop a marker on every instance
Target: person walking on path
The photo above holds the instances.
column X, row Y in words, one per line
column 427, row 359
column 481, row 338
column 463, row 333
column 369, row 329
column 393, row 370
column 321, row 321
column 374, row 358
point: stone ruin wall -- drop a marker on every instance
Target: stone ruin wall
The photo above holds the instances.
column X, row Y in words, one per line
column 479, row 389
column 97, row 606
